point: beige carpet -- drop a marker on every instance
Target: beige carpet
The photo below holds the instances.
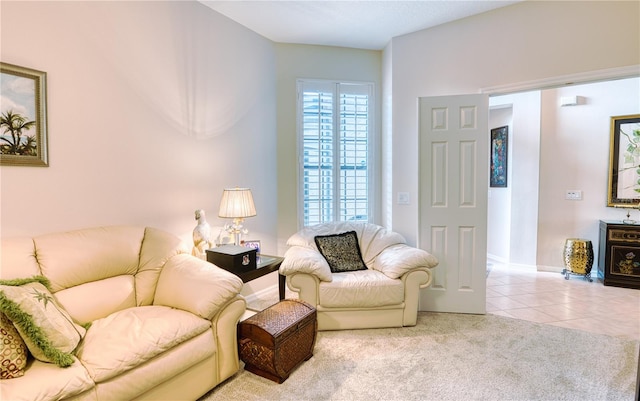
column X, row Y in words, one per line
column 453, row 357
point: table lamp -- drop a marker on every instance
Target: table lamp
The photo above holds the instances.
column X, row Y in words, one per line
column 236, row 204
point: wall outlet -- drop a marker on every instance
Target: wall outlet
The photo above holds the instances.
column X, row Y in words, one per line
column 573, row 194
column 403, row 198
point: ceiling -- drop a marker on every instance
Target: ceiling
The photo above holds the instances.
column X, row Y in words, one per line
column 358, row 24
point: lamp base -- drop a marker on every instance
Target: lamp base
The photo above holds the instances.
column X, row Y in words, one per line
column 236, row 229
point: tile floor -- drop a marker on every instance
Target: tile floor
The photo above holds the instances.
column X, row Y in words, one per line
column 546, row 297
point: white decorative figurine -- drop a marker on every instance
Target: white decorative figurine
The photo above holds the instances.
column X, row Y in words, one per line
column 201, row 235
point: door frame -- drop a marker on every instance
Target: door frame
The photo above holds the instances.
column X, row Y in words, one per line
column 577, row 79
column 607, row 74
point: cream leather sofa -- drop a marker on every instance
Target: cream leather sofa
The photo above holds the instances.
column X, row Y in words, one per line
column 163, row 322
column 386, row 294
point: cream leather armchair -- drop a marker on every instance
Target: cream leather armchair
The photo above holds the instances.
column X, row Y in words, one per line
column 385, row 294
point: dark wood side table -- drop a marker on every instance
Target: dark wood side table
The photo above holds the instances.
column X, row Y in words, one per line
column 265, row 264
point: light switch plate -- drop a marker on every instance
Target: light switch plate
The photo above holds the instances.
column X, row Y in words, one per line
column 403, row 198
column 573, row 194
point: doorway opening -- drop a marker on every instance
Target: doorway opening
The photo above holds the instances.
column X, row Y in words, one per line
column 554, row 150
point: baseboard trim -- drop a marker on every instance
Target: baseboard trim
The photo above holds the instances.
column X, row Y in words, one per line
column 263, row 293
column 496, row 259
column 551, row 269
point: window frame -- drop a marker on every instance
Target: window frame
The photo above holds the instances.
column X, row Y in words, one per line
column 373, row 175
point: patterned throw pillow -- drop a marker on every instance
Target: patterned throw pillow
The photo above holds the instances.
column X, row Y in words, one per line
column 341, row 251
column 44, row 325
column 13, row 351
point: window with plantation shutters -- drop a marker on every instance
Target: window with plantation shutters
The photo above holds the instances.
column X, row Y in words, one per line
column 334, row 131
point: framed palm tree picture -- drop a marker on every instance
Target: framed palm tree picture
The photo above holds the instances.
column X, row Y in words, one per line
column 23, row 116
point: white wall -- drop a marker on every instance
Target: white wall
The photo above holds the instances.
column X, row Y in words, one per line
column 505, row 46
column 320, row 62
column 525, row 177
column 153, row 107
column 574, row 154
column 513, row 211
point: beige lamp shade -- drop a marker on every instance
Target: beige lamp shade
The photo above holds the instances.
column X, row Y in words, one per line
column 237, row 203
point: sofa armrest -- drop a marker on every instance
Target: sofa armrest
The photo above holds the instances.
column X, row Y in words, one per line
column 399, row 259
column 299, row 259
column 225, row 325
column 413, row 281
column 307, row 287
column 192, row 284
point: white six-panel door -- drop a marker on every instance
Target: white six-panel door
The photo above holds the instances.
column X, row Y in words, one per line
column 454, row 173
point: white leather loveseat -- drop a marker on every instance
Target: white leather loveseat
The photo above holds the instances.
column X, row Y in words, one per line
column 162, row 322
column 385, row 293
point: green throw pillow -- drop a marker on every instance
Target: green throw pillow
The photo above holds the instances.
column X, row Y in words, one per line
column 47, row 329
column 341, row 251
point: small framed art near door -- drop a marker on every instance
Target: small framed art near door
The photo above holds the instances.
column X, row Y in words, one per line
column 499, row 157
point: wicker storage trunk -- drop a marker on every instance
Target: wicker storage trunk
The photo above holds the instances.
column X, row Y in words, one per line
column 275, row 341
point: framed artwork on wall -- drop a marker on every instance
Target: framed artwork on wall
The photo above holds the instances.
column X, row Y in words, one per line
column 624, row 161
column 499, row 157
column 23, row 116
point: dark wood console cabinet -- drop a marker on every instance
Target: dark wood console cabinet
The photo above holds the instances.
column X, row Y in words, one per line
column 619, row 254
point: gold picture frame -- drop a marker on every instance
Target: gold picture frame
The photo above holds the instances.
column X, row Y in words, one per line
column 23, row 116
column 624, row 162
